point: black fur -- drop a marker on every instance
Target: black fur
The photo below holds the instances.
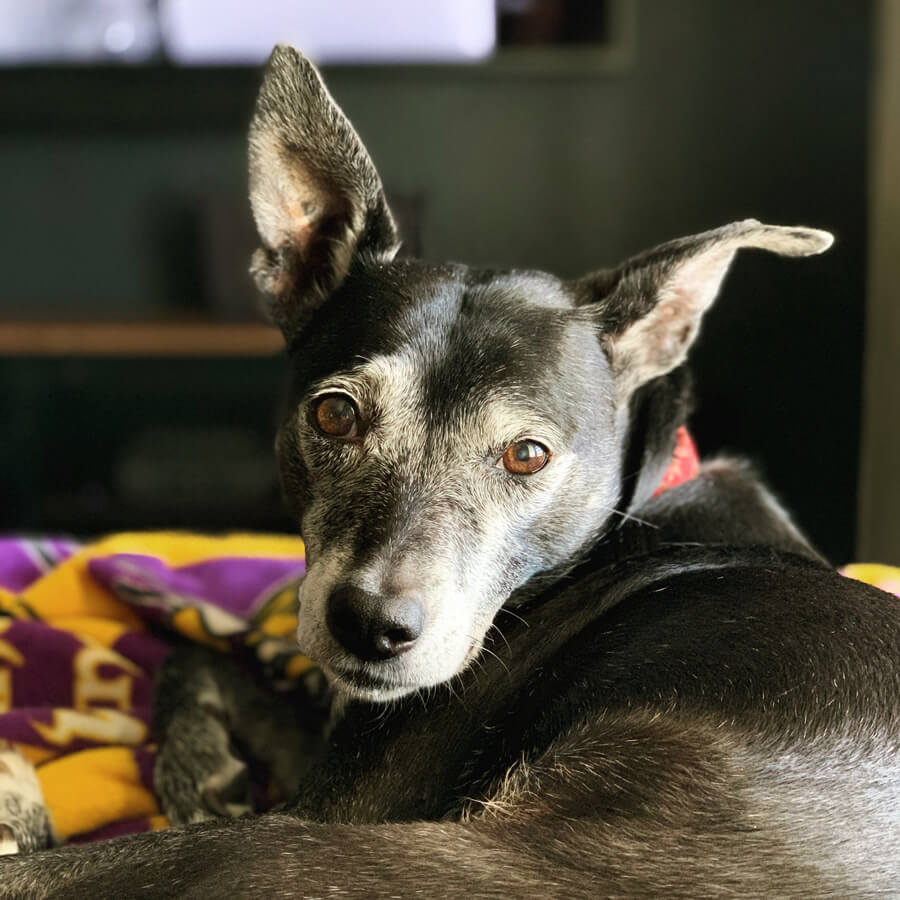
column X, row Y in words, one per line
column 665, row 696
column 679, row 717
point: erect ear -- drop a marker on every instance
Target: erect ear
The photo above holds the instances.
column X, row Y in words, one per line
column 316, row 197
column 649, row 308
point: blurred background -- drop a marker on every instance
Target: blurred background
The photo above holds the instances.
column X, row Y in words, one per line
column 138, row 386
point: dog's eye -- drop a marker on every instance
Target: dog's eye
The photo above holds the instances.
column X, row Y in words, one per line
column 525, row 457
column 336, row 416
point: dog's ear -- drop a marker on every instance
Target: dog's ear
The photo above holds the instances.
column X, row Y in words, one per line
column 317, row 200
column 649, row 308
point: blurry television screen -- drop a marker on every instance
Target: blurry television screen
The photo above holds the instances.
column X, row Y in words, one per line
column 192, row 32
column 213, row 32
column 78, row 31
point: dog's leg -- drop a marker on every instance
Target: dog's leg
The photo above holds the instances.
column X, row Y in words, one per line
column 533, row 835
column 197, row 775
column 24, row 821
column 670, row 834
column 278, row 855
column 207, row 710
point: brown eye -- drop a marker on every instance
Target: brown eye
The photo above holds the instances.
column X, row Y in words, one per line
column 525, row 457
column 336, row 416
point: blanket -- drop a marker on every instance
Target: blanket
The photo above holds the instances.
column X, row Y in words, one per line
column 83, row 630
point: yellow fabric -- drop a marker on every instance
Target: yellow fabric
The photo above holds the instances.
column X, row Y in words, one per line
column 89, row 789
column 881, row 576
column 182, row 548
column 157, row 823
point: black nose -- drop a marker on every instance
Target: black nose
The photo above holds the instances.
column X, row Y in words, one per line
column 374, row 627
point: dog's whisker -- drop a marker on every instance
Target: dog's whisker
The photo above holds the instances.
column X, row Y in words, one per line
column 515, row 615
column 496, row 627
column 498, row 658
column 629, row 517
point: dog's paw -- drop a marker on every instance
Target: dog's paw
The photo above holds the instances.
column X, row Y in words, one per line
column 227, row 791
column 24, row 820
column 197, row 777
column 202, row 790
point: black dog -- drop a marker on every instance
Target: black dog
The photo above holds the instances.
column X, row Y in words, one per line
column 594, row 691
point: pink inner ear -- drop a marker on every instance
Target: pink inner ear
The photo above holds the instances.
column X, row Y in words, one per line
column 685, row 295
column 672, row 325
column 659, row 341
column 697, row 280
column 300, row 216
column 290, row 200
column 314, row 214
column 305, row 205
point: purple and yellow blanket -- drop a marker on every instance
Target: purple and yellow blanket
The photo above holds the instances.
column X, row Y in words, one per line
column 82, row 631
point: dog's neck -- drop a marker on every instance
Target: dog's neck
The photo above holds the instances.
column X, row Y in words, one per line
column 658, row 455
column 656, row 442
column 666, row 498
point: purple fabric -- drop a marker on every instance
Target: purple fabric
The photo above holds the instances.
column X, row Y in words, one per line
column 45, row 679
column 113, row 830
column 142, row 649
column 23, row 560
column 145, row 759
column 236, row 584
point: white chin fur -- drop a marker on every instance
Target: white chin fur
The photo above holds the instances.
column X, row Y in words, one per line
column 349, row 690
column 371, row 695
column 344, row 685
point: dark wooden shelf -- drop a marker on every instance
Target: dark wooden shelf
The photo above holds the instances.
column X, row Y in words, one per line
column 124, row 339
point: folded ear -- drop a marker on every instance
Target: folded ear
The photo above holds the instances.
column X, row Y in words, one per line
column 649, row 308
column 316, row 197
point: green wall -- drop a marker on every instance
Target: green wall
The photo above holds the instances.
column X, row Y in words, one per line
column 727, row 110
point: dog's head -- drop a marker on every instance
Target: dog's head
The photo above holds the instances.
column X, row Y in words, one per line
column 451, row 432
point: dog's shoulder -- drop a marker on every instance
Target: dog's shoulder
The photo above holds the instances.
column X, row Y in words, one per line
column 727, row 503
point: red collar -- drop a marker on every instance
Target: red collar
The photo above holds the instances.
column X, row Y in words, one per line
column 685, row 462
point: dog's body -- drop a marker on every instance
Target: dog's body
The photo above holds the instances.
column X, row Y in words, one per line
column 593, row 691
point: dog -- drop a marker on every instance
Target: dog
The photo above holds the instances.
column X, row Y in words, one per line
column 553, row 680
